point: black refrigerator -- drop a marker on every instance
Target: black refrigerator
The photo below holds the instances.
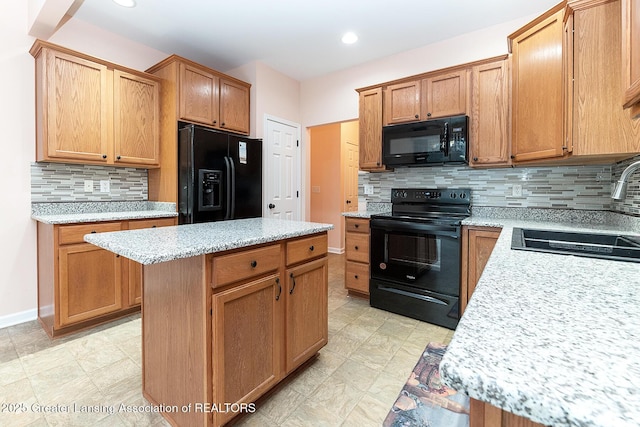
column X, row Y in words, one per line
column 219, row 175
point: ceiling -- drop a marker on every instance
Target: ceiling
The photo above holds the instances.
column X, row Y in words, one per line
column 299, row 38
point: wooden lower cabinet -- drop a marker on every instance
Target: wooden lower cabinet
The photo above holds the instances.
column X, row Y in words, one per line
column 477, row 245
column 306, row 314
column 247, row 341
column 81, row 285
column 482, row 414
column 90, row 281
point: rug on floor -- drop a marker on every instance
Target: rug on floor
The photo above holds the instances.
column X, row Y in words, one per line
column 425, row 401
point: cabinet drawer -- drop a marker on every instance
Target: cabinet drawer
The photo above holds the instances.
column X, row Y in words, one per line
column 357, row 277
column 151, row 223
column 304, row 249
column 74, row 233
column 357, row 247
column 244, row 265
column 357, row 225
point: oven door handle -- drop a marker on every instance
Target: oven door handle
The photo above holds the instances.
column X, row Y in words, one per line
column 393, row 225
column 412, row 295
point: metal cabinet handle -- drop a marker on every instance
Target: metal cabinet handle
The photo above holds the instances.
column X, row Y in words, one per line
column 104, row 156
column 311, row 248
column 356, row 248
column 254, row 263
column 279, row 288
column 417, row 116
column 118, row 157
column 293, row 279
column 475, row 159
column 356, row 276
column 93, row 231
column 357, row 225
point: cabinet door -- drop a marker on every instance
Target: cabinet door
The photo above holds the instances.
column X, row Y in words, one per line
column 537, row 105
column 247, row 342
column 198, row 95
column 402, row 102
column 600, row 126
column 478, row 247
column 234, row 106
column 306, row 313
column 631, row 54
column 136, row 108
column 489, row 139
column 445, row 95
column 371, row 130
column 76, row 108
column 90, row 282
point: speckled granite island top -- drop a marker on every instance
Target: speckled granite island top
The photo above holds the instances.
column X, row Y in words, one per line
column 553, row 338
column 151, row 246
column 81, row 212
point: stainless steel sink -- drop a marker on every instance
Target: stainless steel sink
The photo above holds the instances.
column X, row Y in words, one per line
column 595, row 245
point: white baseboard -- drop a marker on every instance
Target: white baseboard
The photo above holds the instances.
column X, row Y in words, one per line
column 335, row 250
column 16, row 318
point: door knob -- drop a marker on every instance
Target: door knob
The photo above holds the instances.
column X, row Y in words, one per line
column 271, row 206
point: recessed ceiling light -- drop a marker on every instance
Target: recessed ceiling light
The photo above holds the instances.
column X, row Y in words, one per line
column 126, row 3
column 349, row 38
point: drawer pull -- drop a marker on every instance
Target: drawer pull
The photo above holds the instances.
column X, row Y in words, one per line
column 356, row 276
column 356, row 248
column 153, row 226
column 356, row 225
column 93, row 231
column 311, row 248
column 254, row 264
column 279, row 288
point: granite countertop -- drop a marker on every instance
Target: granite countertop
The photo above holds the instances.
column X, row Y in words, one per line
column 78, row 212
column 371, row 208
column 554, row 338
column 151, row 246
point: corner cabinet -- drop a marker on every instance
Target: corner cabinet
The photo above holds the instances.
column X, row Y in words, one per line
column 90, row 111
column 631, row 55
column 370, row 125
column 538, row 105
column 81, row 285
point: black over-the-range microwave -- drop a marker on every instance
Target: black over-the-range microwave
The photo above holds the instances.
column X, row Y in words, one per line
column 430, row 142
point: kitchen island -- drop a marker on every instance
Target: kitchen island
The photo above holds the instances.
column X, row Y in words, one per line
column 229, row 309
column 551, row 338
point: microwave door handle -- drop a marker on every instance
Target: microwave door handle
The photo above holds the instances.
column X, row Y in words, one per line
column 444, row 146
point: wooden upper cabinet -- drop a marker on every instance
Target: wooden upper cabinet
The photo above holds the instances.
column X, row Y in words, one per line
column 370, row 125
column 631, row 55
column 444, row 95
column 489, row 133
column 537, row 100
column 402, row 102
column 72, row 108
column 234, row 106
column 198, row 95
column 601, row 129
column 212, row 99
column 91, row 111
column 136, row 119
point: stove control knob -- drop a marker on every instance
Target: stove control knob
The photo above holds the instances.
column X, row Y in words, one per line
column 453, row 195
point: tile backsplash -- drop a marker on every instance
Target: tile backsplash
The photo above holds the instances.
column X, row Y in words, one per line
column 563, row 187
column 61, row 182
column 631, row 203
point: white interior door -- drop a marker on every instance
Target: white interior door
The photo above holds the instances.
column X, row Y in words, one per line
column 282, row 169
column 350, row 177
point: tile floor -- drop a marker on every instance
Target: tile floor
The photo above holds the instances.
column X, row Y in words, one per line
column 353, row 382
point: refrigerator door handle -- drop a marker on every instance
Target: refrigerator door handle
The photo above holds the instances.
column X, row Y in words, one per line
column 233, row 187
column 227, row 168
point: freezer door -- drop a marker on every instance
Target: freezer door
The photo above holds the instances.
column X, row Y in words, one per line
column 246, row 155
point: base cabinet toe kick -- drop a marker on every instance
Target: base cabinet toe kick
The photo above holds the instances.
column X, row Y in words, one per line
column 220, row 330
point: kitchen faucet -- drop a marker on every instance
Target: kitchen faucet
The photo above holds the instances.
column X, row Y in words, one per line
column 620, row 190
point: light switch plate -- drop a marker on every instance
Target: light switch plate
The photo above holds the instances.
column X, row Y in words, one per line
column 88, row 186
column 105, row 186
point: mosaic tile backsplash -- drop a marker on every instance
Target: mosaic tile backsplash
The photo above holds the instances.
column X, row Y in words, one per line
column 631, row 204
column 60, row 182
column 562, row 187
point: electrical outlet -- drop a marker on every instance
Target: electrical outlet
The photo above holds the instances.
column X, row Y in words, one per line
column 368, row 189
column 88, row 186
column 105, row 186
column 516, row 190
